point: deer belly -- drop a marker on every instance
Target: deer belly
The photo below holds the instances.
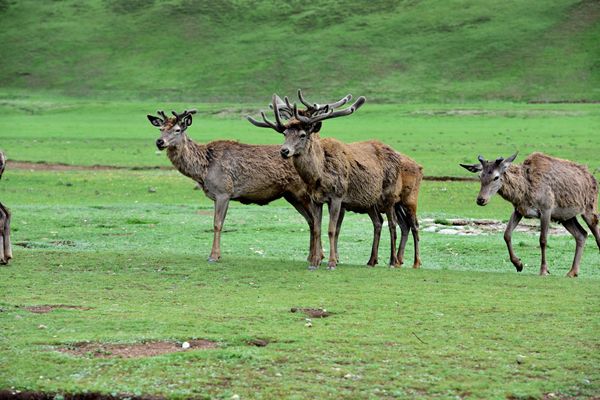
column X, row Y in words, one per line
column 564, row 213
column 529, row 212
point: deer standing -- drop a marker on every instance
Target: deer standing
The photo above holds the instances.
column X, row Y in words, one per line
column 542, row 187
column 360, row 177
column 227, row 170
column 5, row 248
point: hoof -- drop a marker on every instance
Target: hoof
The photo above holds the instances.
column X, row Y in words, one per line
column 212, row 260
column 519, row 268
column 572, row 274
column 313, row 267
column 331, row 265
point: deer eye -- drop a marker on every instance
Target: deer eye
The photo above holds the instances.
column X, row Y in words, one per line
column 302, row 135
column 497, row 177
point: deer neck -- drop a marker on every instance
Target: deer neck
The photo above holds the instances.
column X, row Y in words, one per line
column 310, row 163
column 190, row 158
column 514, row 185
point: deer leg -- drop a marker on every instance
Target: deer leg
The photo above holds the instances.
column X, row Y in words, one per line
column 338, row 228
column 3, row 221
column 414, row 227
column 404, row 229
column 7, row 246
column 318, row 253
column 580, row 235
column 308, row 213
column 377, row 223
column 221, row 205
column 391, row 217
column 591, row 221
column 335, row 207
column 544, row 226
column 515, row 218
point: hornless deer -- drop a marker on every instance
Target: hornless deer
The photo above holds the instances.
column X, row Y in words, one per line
column 228, row 170
column 542, row 187
column 5, row 248
column 360, row 177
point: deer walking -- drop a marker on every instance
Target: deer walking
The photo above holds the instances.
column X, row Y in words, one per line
column 5, row 247
column 360, row 177
column 542, row 187
column 228, row 170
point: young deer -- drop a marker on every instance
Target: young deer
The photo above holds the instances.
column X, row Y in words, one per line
column 360, row 177
column 228, row 170
column 542, row 187
column 5, row 248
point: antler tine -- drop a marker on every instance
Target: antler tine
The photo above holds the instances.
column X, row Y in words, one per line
column 305, row 102
column 266, row 123
column 175, row 114
column 341, row 101
column 481, row 159
column 334, row 114
column 162, row 114
column 276, row 112
column 301, row 118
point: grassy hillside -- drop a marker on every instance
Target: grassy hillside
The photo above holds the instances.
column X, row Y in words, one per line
column 234, row 50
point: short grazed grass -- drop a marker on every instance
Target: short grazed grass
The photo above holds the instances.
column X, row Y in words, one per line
column 465, row 325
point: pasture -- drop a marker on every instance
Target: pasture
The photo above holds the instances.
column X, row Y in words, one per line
column 126, row 248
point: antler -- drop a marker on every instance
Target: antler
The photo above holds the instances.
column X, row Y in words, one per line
column 316, row 108
column 275, row 105
column 184, row 114
column 330, row 112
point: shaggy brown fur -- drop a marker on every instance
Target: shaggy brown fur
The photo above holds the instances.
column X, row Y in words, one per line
column 228, row 170
column 365, row 177
column 543, row 187
column 5, row 247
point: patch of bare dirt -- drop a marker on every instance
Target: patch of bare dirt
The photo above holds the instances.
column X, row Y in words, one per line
column 46, row 308
column 450, row 179
column 134, row 350
column 258, row 342
column 29, row 395
column 44, row 166
column 312, row 312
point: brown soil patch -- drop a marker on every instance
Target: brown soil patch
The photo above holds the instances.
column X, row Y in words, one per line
column 46, row 308
column 258, row 342
column 26, row 395
column 44, row 166
column 450, row 179
column 133, row 350
column 312, row 312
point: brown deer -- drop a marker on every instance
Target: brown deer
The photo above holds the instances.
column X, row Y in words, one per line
column 5, row 248
column 227, row 170
column 360, row 177
column 542, row 187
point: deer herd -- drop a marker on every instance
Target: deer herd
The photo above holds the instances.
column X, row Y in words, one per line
column 365, row 177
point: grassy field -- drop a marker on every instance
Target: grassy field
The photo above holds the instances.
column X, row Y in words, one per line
column 233, row 50
column 130, row 247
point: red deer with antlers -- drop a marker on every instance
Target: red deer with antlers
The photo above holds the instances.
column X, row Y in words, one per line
column 542, row 187
column 5, row 248
column 227, row 170
column 363, row 177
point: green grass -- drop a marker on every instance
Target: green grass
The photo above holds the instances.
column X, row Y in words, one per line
column 232, row 50
column 439, row 137
column 454, row 328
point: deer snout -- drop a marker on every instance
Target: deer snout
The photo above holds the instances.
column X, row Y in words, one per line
column 160, row 144
column 481, row 201
column 285, row 152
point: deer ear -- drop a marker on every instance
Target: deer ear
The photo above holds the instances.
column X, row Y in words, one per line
column 472, row 167
column 316, row 127
column 187, row 121
column 155, row 120
column 506, row 163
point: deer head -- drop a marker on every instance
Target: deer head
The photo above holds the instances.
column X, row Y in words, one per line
column 302, row 124
column 172, row 129
column 491, row 176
